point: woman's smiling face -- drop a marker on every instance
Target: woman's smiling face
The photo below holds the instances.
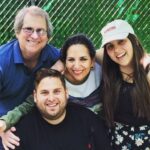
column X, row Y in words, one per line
column 78, row 63
column 121, row 52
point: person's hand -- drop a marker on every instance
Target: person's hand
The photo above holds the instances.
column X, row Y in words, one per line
column 145, row 60
column 99, row 55
column 2, row 126
column 59, row 66
column 9, row 139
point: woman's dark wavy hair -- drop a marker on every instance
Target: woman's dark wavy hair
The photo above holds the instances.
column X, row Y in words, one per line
column 77, row 39
column 112, row 79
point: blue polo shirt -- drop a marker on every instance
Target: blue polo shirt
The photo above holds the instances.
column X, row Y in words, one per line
column 16, row 80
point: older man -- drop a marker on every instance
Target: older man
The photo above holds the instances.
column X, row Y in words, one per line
column 21, row 58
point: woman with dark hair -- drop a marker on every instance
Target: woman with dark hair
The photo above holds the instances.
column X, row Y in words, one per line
column 82, row 74
column 126, row 87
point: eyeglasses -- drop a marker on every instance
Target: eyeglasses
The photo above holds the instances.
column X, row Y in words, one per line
column 39, row 32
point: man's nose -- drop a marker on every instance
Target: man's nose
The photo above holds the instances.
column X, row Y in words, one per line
column 51, row 97
column 34, row 34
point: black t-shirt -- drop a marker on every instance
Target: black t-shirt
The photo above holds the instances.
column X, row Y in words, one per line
column 80, row 130
column 124, row 112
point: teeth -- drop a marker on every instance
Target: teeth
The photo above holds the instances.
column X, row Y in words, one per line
column 122, row 54
column 32, row 43
column 51, row 105
column 77, row 72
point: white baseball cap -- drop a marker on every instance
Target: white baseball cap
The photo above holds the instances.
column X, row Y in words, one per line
column 116, row 30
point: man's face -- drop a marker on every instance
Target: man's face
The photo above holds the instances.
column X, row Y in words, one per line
column 32, row 44
column 51, row 99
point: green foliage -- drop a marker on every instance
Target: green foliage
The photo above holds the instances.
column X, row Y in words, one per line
column 82, row 16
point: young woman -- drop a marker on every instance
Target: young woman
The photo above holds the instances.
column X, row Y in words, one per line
column 126, row 87
column 83, row 77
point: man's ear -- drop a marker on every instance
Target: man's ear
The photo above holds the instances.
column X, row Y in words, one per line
column 34, row 95
column 16, row 34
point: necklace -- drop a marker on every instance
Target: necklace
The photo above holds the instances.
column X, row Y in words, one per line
column 128, row 77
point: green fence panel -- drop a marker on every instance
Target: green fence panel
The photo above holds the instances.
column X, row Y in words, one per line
column 81, row 16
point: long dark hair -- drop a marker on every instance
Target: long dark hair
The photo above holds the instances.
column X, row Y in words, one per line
column 112, row 80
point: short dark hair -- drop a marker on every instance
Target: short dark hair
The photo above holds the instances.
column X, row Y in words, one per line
column 77, row 39
column 43, row 73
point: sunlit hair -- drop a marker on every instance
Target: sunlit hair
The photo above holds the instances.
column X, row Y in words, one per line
column 36, row 11
column 112, row 79
column 77, row 39
column 44, row 73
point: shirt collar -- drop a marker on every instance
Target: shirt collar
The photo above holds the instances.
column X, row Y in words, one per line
column 18, row 58
column 44, row 53
column 17, row 53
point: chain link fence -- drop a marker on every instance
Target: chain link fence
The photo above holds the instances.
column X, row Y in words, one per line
column 81, row 16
